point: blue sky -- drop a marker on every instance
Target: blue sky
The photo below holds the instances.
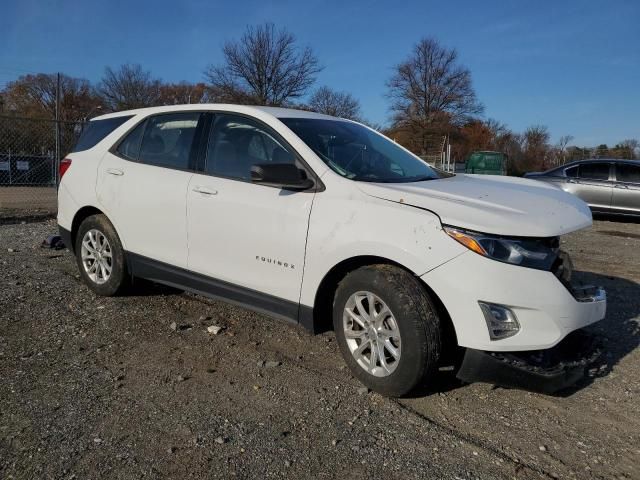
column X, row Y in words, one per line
column 571, row 65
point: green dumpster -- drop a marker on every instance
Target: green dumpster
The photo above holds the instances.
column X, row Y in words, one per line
column 486, row 163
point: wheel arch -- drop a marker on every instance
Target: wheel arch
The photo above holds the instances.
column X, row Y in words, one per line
column 78, row 218
column 319, row 317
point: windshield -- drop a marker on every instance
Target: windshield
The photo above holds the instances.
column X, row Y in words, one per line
column 359, row 153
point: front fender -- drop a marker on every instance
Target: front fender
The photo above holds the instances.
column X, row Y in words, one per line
column 369, row 226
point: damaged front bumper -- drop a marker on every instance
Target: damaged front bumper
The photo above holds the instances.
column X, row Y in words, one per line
column 545, row 371
column 547, row 307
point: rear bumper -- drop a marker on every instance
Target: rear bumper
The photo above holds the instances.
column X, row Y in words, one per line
column 66, row 238
column 544, row 371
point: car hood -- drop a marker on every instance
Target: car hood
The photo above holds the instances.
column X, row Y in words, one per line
column 491, row 204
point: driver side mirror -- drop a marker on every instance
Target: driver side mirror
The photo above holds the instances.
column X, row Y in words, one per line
column 283, row 175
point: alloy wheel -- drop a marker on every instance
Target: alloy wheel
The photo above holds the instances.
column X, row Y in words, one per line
column 372, row 333
column 96, row 256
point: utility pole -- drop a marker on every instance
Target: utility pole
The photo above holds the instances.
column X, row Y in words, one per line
column 57, row 159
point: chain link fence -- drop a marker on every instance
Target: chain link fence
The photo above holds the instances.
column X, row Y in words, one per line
column 30, row 152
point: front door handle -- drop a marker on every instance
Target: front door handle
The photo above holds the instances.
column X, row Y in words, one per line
column 204, row 190
column 621, row 186
column 115, row 171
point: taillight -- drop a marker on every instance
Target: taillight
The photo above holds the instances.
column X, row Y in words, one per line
column 64, row 166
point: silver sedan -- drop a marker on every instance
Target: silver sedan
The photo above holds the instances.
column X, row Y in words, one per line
column 607, row 185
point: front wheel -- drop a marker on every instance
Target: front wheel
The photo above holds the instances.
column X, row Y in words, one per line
column 100, row 256
column 387, row 328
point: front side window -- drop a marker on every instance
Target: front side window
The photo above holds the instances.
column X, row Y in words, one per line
column 95, row 130
column 237, row 143
column 359, row 153
column 628, row 173
column 168, row 140
column 594, row 171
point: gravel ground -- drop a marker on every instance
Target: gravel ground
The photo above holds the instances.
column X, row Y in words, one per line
column 135, row 387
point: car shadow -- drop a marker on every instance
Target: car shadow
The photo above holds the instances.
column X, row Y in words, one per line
column 607, row 217
column 617, row 335
column 141, row 287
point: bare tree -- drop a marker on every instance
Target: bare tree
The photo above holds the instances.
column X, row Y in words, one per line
column 475, row 135
column 129, row 87
column 510, row 143
column 496, row 128
column 536, row 147
column 633, row 147
column 264, row 67
column 183, row 93
column 563, row 143
column 430, row 86
column 35, row 95
column 339, row 104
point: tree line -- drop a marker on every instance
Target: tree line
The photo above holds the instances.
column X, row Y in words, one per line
column 430, row 94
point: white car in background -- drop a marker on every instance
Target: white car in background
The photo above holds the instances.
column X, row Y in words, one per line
column 325, row 223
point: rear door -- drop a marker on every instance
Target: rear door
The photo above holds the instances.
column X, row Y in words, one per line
column 142, row 184
column 626, row 190
column 593, row 184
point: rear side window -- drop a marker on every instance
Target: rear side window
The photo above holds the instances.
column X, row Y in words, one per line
column 96, row 130
column 168, row 140
column 628, row 173
column 129, row 148
column 595, row 171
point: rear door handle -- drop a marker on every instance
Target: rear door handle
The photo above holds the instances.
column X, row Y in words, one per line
column 621, row 186
column 204, row 190
column 115, row 171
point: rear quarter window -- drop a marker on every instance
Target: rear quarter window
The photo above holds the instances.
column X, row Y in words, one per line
column 96, row 130
column 571, row 172
column 129, row 147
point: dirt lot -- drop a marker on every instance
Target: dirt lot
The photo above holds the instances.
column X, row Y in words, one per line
column 27, row 201
column 106, row 388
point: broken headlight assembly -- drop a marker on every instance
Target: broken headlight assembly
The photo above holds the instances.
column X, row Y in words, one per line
column 539, row 253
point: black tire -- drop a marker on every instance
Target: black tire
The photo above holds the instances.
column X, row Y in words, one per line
column 118, row 279
column 416, row 318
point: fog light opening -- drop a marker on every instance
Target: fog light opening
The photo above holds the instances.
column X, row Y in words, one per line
column 501, row 321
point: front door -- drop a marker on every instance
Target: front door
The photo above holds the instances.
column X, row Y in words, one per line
column 592, row 184
column 244, row 234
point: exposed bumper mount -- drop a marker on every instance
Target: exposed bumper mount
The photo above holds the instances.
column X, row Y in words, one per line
column 544, row 371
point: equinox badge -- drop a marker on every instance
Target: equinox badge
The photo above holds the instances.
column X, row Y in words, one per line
column 275, row 262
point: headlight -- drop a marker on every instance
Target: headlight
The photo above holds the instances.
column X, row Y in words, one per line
column 537, row 253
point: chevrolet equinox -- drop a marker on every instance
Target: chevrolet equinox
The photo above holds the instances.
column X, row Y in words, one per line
column 326, row 223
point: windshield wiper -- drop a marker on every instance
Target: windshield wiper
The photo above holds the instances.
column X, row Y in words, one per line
column 420, row 179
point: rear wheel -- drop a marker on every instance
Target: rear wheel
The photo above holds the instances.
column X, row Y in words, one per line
column 387, row 328
column 100, row 256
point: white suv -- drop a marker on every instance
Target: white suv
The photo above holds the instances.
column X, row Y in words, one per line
column 325, row 223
